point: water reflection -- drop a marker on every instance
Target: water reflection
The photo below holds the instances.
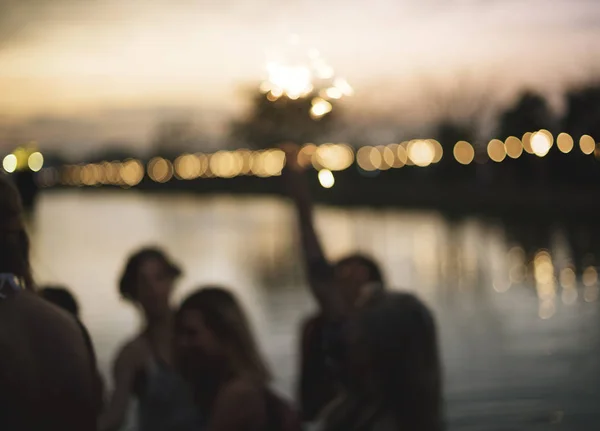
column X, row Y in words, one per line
column 516, row 301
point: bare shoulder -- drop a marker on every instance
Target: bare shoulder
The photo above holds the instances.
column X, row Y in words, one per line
column 132, row 353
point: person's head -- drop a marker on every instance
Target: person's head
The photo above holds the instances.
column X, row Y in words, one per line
column 62, row 298
column 14, row 242
column 393, row 358
column 148, row 280
column 213, row 338
column 353, row 273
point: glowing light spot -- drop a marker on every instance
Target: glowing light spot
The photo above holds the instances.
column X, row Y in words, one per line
column 333, row 93
column 343, row 86
column 514, row 147
column 320, row 107
column 306, row 154
column 225, row 164
column 246, row 160
column 590, row 276
column 463, row 152
column 439, row 151
column 387, row 157
column 567, row 278
column 587, row 144
column 401, row 155
column 9, row 163
column 187, row 167
column 35, row 161
column 541, row 143
column 421, row 152
column 368, row 158
column 294, row 81
column 564, row 142
column 496, row 150
column 526, row 140
column 273, row 162
column 160, row 170
column 326, row 178
column 334, row 157
column 547, row 309
column 132, row 172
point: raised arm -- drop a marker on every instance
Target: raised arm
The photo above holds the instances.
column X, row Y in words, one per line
column 319, row 270
column 124, row 373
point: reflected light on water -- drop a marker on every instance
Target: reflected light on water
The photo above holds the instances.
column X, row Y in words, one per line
column 463, row 152
column 545, row 283
column 590, row 281
column 326, row 178
column 568, row 281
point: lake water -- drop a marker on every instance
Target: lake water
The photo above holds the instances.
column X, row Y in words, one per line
column 520, row 339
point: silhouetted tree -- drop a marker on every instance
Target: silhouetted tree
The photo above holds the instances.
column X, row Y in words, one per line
column 268, row 123
column 529, row 114
column 582, row 116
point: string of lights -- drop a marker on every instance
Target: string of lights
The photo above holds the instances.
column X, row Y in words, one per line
column 325, row 158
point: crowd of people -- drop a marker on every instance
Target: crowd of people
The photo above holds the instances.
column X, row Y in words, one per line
column 369, row 357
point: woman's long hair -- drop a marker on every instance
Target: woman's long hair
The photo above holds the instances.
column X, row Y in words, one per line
column 224, row 316
column 14, row 242
column 399, row 334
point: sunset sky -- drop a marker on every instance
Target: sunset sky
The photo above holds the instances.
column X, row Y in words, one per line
column 75, row 73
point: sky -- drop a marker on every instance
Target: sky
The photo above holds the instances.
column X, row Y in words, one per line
column 75, row 74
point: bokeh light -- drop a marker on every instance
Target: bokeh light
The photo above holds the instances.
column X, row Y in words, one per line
column 273, row 162
column 160, row 170
column 421, row 152
column 305, row 155
column 438, row 149
column 132, row 172
column 320, row 107
column 387, row 157
column 496, row 150
column 526, row 141
column 464, row 153
column 326, row 178
column 514, row 147
column 35, row 161
column 9, row 163
column 541, row 142
column 334, row 157
column 187, row 167
column 564, row 142
column 587, row 144
column 368, row 158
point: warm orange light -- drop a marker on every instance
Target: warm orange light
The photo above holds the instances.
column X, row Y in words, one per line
column 526, row 140
column 464, row 153
column 160, row 170
column 514, row 147
column 421, row 152
column 587, row 144
column 496, row 150
column 564, row 142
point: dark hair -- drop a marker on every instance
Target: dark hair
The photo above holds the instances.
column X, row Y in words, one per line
column 224, row 316
column 399, row 333
column 61, row 297
column 374, row 272
column 128, row 281
column 14, row 242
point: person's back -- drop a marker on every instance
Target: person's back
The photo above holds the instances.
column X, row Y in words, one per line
column 45, row 368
